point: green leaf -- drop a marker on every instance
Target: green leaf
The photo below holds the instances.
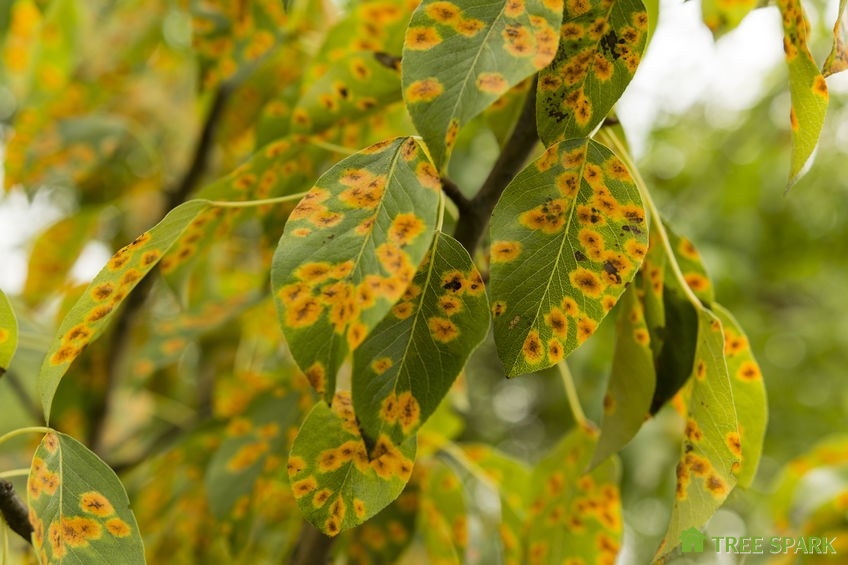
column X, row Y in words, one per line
column 749, row 394
column 679, row 338
column 837, row 60
column 722, row 16
column 338, row 482
column 443, row 520
column 408, row 363
column 458, row 59
column 349, row 250
column 568, row 234
column 90, row 315
column 253, row 442
column 632, row 379
column 601, row 44
column 8, row 333
column 806, row 85
column 711, row 446
column 79, row 510
column 383, row 538
column 575, row 515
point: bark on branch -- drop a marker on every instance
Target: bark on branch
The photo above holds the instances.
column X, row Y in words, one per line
column 14, row 511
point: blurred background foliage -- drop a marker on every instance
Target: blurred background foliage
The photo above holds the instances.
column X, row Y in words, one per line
column 125, row 77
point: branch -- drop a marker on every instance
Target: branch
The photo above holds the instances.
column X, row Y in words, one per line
column 475, row 218
column 14, row 511
column 313, row 547
column 457, row 197
column 123, row 324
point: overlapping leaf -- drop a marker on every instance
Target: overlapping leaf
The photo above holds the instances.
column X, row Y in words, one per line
column 688, row 259
column 459, row 59
column 601, row 44
column 722, row 16
column 443, row 519
column 408, row 363
column 338, row 482
column 712, row 447
column 349, row 251
column 8, row 333
column 837, row 60
column 632, row 379
column 254, row 443
column 384, row 538
column 78, row 508
column 574, row 515
column 568, row 234
column 91, row 314
column 806, row 85
column 749, row 395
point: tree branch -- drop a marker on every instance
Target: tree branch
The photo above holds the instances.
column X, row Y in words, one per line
column 14, row 511
column 313, row 547
column 123, row 323
column 474, row 219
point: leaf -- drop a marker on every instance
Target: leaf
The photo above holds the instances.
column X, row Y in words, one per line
column 253, row 442
column 458, row 59
column 443, row 520
column 50, row 263
column 601, row 44
column 806, row 85
column 679, row 336
column 689, row 261
column 337, row 481
column 349, row 250
column 575, row 515
column 385, row 537
column 632, row 379
column 568, row 234
column 8, row 333
column 837, row 60
column 711, row 446
column 78, row 507
column 749, row 394
column 408, row 363
column 722, row 16
column 90, row 315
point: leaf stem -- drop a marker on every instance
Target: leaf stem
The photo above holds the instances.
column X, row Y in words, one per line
column 331, row 146
column 441, row 213
column 260, row 202
column 609, row 136
column 11, row 474
column 22, row 431
column 571, row 394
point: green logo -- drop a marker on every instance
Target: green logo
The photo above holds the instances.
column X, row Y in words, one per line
column 692, row 540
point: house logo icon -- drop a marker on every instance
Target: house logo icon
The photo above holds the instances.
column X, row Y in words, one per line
column 692, row 540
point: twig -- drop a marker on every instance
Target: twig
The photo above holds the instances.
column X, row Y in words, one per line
column 313, row 547
column 457, row 197
column 123, row 323
column 14, row 511
column 473, row 221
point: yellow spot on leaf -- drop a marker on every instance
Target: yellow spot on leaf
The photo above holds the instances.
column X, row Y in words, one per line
column 295, row 465
column 442, row 329
column 420, row 38
column 316, row 376
column 405, row 228
column 409, row 412
column 532, row 348
column 321, row 497
column 586, row 281
column 95, row 503
column 424, row 90
column 118, row 528
column 77, row 531
column 585, row 328
column 469, row 27
column 304, row 486
column 505, row 251
column 749, row 371
column 445, row 13
column 450, row 305
column 493, row 83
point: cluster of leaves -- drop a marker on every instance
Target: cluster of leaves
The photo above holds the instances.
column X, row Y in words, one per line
column 333, row 394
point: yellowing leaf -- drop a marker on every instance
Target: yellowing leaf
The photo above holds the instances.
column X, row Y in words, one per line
column 79, row 510
column 837, row 60
column 408, row 363
column 337, row 480
column 601, row 44
column 349, row 251
column 568, row 234
column 458, row 59
column 8, row 333
column 722, row 16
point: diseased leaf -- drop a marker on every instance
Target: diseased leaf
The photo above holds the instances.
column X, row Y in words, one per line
column 722, row 16
column 443, row 518
column 837, row 60
column 79, row 510
column 253, row 442
column 749, row 395
column 711, row 447
column 627, row 402
column 338, row 482
column 679, row 338
column 601, row 44
column 383, row 538
column 806, row 85
column 8, row 333
column 574, row 515
column 90, row 316
column 349, row 250
column 568, row 234
column 458, row 59
column 689, row 261
column 408, row 363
